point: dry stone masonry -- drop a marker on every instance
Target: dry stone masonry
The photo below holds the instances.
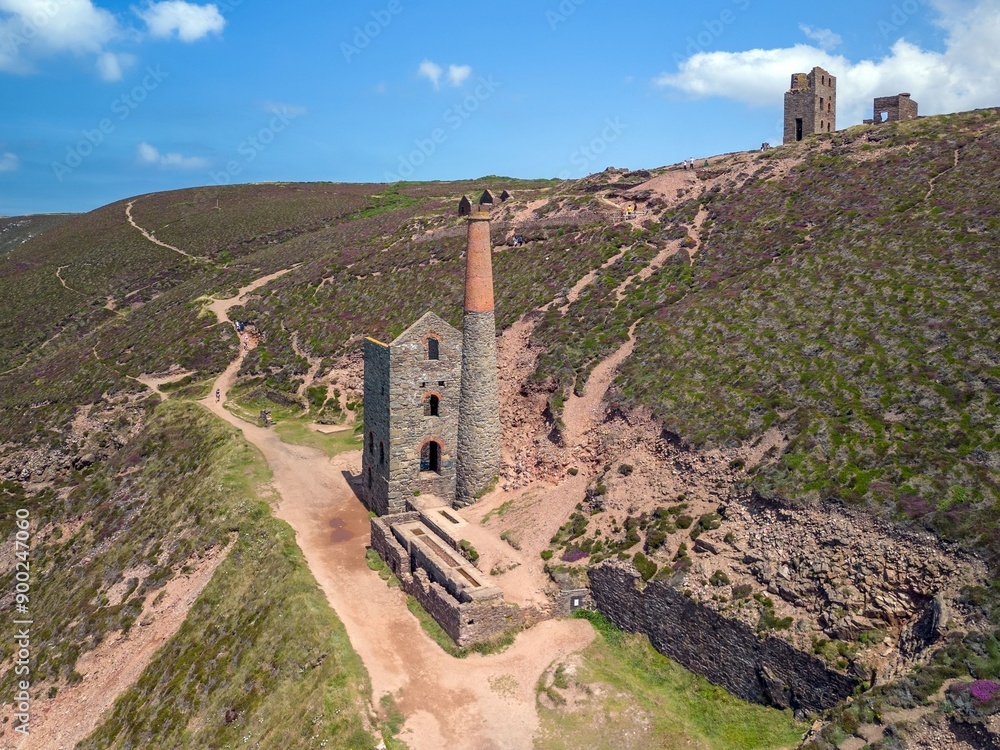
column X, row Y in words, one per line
column 726, row 652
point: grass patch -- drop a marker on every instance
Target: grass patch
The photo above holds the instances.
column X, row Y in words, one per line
column 645, row 693
column 297, row 431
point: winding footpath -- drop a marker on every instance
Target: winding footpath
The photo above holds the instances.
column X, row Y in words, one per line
column 149, row 236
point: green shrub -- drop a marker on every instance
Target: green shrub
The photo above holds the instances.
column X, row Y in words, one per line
column 468, row 551
column 719, row 578
column 646, row 567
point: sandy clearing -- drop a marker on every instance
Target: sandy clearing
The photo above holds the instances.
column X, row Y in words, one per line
column 115, row 665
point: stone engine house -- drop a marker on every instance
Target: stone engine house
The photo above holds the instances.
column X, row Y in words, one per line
column 431, row 403
column 432, row 445
column 411, row 397
column 810, row 105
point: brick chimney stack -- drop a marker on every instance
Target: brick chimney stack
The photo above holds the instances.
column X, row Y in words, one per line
column 478, row 454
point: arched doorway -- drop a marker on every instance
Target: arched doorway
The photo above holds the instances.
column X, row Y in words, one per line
column 430, row 457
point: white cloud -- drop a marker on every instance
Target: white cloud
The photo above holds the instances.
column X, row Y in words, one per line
column 31, row 30
column 825, row 38
column 431, row 71
column 110, row 65
column 9, row 162
column 150, row 155
column 289, row 110
column 189, row 22
column 964, row 76
column 458, row 74
column 35, row 28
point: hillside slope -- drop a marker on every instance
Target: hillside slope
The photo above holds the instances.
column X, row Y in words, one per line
column 818, row 323
column 16, row 230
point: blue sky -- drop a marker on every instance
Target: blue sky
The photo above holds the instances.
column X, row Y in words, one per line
column 103, row 100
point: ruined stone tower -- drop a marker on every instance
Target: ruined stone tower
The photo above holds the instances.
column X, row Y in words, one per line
column 810, row 105
column 478, row 451
column 411, row 415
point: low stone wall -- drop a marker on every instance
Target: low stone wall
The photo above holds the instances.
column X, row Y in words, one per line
column 391, row 551
column 468, row 623
column 726, row 652
column 465, row 623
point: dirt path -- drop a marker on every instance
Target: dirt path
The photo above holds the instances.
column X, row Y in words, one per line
column 578, row 287
column 154, row 383
column 149, row 236
column 314, row 365
column 63, row 281
column 221, row 307
column 479, row 703
column 933, row 181
column 581, row 413
column 115, row 665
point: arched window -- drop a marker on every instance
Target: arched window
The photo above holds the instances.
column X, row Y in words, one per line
column 433, row 349
column 381, row 452
column 430, row 457
column 371, row 442
column 432, row 406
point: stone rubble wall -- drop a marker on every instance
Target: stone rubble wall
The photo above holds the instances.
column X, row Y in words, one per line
column 726, row 652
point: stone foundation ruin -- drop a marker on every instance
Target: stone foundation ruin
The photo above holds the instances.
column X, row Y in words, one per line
column 422, row 548
column 892, row 109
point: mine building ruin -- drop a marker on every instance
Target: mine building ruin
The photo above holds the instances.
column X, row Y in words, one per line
column 810, row 105
column 432, row 444
column 893, row 109
column 431, row 399
column 411, row 395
